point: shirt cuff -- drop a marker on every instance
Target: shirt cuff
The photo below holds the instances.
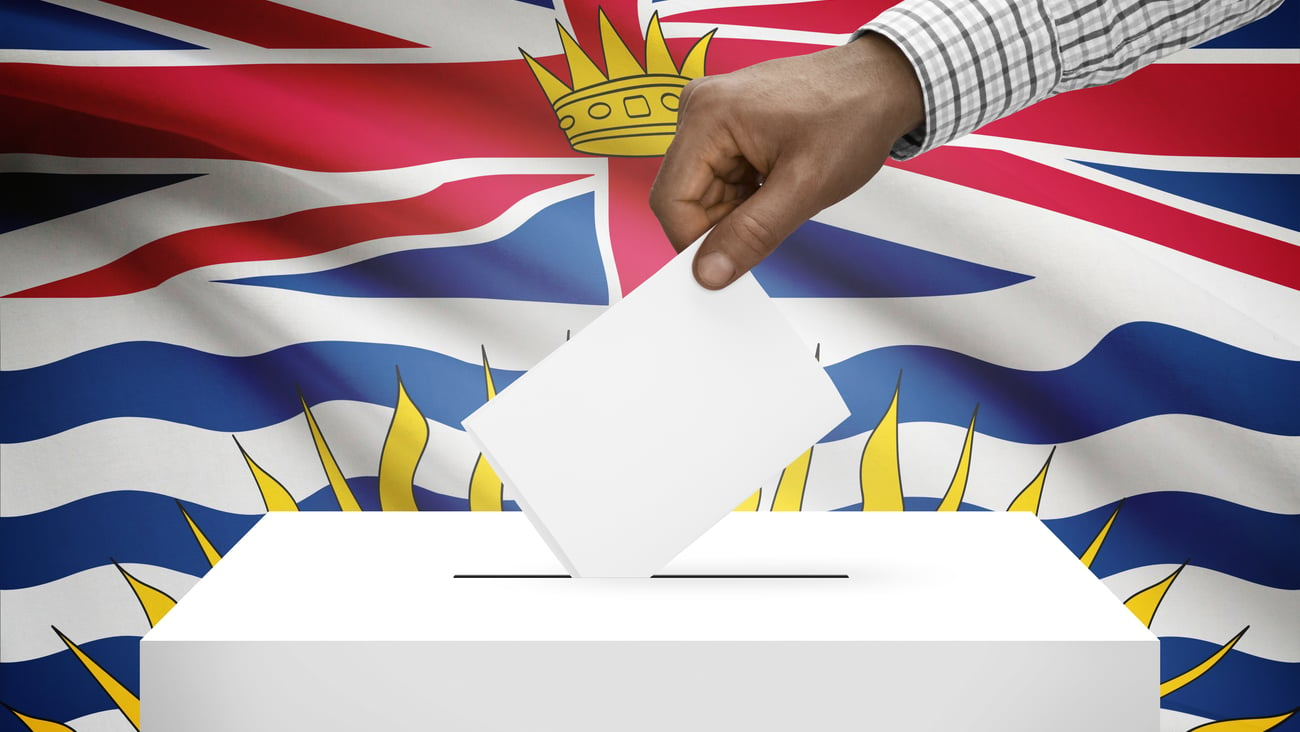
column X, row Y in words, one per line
column 977, row 60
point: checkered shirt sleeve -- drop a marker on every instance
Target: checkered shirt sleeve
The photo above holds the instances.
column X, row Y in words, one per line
column 979, row 60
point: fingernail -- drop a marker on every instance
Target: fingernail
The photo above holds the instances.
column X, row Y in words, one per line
column 715, row 270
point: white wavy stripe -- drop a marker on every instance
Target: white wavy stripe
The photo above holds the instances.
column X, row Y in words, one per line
column 1170, row 721
column 226, row 192
column 243, row 321
column 1087, row 281
column 109, row 720
column 1213, row 606
column 87, row 606
column 1165, row 453
column 205, row 467
column 196, row 310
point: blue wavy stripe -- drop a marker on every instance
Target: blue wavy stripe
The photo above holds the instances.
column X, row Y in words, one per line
column 131, row 526
column 1240, row 685
column 1136, row 371
column 40, row 25
column 233, row 393
column 552, row 257
column 128, row 526
column 58, row 687
column 1268, row 197
column 819, row 260
column 1170, row 528
column 1276, row 30
column 366, row 490
column 30, row 198
column 147, row 528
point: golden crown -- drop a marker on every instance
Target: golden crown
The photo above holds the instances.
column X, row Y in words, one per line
column 630, row 111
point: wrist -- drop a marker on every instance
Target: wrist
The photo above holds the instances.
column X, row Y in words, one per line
column 888, row 82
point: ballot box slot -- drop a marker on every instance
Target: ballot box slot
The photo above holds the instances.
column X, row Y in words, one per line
column 749, row 576
column 660, row 576
column 512, row 576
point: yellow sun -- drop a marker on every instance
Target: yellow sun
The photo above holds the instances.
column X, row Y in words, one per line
column 880, row 480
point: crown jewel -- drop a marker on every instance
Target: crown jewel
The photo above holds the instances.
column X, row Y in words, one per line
column 628, row 110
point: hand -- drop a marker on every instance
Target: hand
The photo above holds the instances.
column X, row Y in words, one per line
column 760, row 151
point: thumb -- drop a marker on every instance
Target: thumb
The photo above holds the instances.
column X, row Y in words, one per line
column 750, row 232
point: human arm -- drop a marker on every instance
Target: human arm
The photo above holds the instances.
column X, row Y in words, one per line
column 761, row 150
column 980, row 60
column 970, row 62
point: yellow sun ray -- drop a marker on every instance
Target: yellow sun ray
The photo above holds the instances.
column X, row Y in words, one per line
column 485, row 486
column 957, row 488
column 155, row 602
column 407, row 436
column 793, row 482
column 1090, row 554
column 1197, row 671
column 881, row 481
column 1254, row 724
column 274, row 495
column 1032, row 495
column 209, row 552
column 751, row 503
column 36, row 724
column 1144, row 603
column 342, row 491
column 125, row 701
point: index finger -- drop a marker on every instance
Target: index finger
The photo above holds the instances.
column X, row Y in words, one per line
column 689, row 169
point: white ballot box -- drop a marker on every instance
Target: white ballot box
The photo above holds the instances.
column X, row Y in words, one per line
column 804, row 622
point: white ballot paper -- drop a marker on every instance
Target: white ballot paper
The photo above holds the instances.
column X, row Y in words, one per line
column 661, row 416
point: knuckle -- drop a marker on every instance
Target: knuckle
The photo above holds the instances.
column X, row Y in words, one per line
column 697, row 93
column 693, row 87
column 754, row 236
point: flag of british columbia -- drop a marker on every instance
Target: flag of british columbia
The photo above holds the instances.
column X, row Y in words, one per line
column 261, row 256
